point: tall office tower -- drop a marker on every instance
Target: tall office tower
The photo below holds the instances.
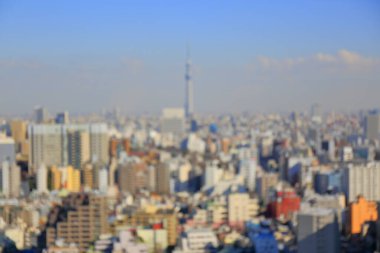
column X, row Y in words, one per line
column 163, row 178
column 372, row 126
column 103, row 180
column 99, row 142
column 46, row 145
column 7, row 149
column 318, row 231
column 78, row 148
column 189, row 103
column 132, row 177
column 62, row 118
column 42, row 179
column 50, row 144
column 10, row 179
column 315, row 113
column 361, row 180
column 173, row 121
column 41, row 115
column 18, row 131
column 80, row 220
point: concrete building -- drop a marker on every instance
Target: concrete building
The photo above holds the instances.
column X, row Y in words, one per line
column 241, row 208
column 62, row 118
column 372, row 126
column 10, row 179
column 52, row 144
column 162, row 179
column 7, row 149
column 361, row 180
column 73, row 183
column 80, row 220
column 173, row 121
column 18, row 133
column 264, row 183
column 78, row 148
column 165, row 219
column 41, row 115
column 42, row 179
column 195, row 241
column 132, row 177
column 247, row 170
column 360, row 212
column 318, row 231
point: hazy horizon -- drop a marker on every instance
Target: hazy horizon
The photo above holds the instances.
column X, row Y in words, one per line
column 86, row 56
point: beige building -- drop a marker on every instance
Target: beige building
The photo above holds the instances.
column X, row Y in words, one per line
column 241, row 208
column 132, row 177
column 168, row 219
column 85, row 221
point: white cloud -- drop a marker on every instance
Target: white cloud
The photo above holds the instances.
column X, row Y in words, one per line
column 343, row 58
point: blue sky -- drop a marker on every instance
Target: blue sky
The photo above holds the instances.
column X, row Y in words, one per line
column 258, row 56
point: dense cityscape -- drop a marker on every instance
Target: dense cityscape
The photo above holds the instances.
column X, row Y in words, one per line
column 303, row 182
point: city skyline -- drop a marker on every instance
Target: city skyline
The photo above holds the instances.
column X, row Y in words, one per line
column 245, row 58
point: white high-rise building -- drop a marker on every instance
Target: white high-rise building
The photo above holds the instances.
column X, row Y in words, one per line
column 372, row 126
column 362, row 180
column 51, row 145
column 318, row 231
column 10, row 179
column 213, row 175
column 103, row 180
column 173, row 121
column 42, row 177
column 248, row 168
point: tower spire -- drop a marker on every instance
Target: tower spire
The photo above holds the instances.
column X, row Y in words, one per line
column 189, row 103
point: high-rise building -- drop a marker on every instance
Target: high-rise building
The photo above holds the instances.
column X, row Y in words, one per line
column 41, row 115
column 372, row 126
column 361, row 180
column 73, row 183
column 18, row 131
column 283, row 204
column 162, row 178
column 42, row 179
column 62, row 118
column 189, row 100
column 318, row 231
column 173, row 121
column 10, row 179
column 78, row 148
column 132, row 177
column 87, row 176
column 361, row 211
column 55, row 179
column 80, row 220
column 239, row 213
column 248, row 169
column 52, row 144
column 46, row 145
column 7, row 149
column 103, row 180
